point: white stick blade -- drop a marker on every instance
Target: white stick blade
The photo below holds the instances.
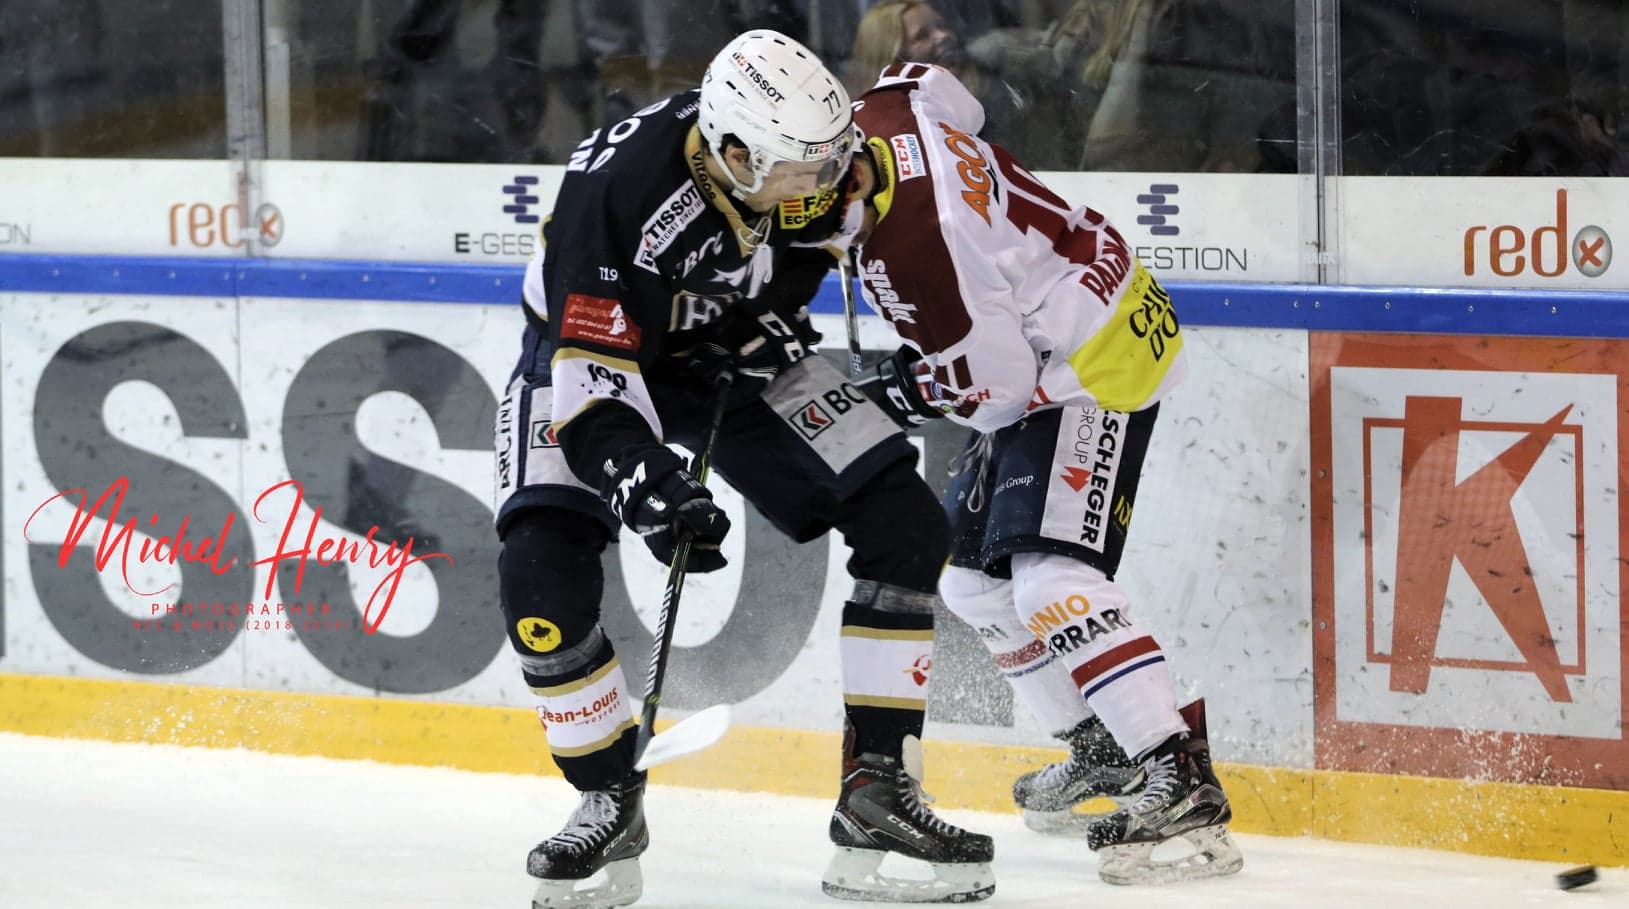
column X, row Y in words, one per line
column 689, row 735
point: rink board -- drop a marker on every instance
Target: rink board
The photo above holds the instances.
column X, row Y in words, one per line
column 1259, row 559
column 1550, row 234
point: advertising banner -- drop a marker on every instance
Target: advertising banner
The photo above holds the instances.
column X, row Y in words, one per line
column 295, row 495
column 1468, row 557
column 1494, row 232
column 1212, row 227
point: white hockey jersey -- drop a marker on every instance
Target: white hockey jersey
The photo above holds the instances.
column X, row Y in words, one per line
column 1015, row 299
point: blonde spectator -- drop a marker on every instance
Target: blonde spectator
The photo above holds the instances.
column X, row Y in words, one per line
column 917, row 31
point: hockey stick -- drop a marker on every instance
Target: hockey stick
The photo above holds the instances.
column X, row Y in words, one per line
column 701, row 729
column 845, row 271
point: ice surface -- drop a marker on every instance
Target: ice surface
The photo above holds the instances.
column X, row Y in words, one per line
column 94, row 824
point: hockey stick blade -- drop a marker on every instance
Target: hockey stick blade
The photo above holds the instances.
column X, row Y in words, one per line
column 689, row 735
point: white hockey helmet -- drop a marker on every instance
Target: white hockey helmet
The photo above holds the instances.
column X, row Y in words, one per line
column 774, row 96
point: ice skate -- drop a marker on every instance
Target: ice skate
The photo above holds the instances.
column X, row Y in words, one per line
column 1057, row 799
column 1182, row 799
column 593, row 862
column 879, row 812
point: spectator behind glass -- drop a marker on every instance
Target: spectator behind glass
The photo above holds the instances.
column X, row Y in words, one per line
column 1161, row 85
column 645, row 50
column 1462, row 88
column 425, row 105
column 1189, row 83
column 50, row 64
column 1068, row 62
column 91, row 79
column 897, row 31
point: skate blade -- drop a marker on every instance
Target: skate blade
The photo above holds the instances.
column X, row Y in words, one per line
column 853, row 874
column 1215, row 854
column 1074, row 822
column 622, row 884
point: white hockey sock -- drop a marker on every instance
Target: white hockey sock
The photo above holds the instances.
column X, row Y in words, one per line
column 1039, row 681
column 1116, row 664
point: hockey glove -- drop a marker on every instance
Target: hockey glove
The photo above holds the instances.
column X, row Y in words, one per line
column 755, row 349
column 658, row 499
column 901, row 384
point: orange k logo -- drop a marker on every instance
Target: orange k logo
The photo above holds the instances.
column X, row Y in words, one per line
column 1440, row 521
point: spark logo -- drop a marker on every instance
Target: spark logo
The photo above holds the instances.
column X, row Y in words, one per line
column 1467, row 527
column 1159, row 210
column 522, row 196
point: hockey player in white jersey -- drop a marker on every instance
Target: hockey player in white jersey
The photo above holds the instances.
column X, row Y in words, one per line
column 1032, row 322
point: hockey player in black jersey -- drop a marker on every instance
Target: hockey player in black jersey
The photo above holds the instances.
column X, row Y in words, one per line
column 686, row 241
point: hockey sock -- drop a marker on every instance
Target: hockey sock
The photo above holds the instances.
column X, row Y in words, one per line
column 887, row 651
column 549, row 586
column 1038, row 678
column 582, row 698
column 1116, row 664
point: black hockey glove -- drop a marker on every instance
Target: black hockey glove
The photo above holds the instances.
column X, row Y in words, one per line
column 899, row 385
column 755, row 349
column 658, row 499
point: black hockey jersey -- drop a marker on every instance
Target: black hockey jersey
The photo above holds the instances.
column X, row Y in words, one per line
column 644, row 258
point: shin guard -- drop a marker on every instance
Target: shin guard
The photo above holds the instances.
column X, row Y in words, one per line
column 887, row 652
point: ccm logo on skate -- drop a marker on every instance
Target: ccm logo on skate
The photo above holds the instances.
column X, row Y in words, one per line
column 915, row 833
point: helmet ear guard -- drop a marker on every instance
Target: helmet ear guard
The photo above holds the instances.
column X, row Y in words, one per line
column 773, row 96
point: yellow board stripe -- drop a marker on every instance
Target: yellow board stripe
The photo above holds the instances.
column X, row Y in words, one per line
column 1544, row 823
column 888, row 634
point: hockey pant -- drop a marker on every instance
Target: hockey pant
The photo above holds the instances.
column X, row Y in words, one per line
column 1063, row 637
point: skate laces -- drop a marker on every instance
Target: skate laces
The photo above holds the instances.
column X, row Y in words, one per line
column 1058, row 775
column 976, row 455
column 596, row 816
column 1162, row 784
column 912, row 802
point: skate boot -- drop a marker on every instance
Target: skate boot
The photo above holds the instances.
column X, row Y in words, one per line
column 880, row 811
column 1182, row 798
column 1057, row 798
column 607, row 832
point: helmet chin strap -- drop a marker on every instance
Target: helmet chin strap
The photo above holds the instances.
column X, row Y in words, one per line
column 736, row 189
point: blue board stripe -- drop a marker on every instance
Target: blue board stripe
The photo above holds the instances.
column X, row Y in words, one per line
column 1561, row 313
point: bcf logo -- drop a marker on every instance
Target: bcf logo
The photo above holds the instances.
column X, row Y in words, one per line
column 1509, row 250
column 1475, row 541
